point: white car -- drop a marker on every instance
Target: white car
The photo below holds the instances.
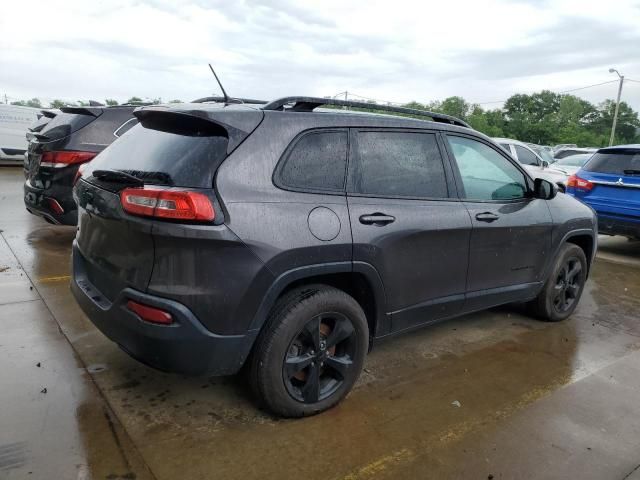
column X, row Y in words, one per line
column 572, row 164
column 14, row 124
column 530, row 160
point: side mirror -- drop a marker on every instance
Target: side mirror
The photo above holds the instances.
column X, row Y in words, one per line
column 545, row 164
column 544, row 189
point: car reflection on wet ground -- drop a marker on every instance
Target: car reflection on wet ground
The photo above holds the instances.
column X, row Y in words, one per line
column 491, row 394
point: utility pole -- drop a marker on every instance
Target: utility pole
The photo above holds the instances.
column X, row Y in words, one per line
column 615, row 115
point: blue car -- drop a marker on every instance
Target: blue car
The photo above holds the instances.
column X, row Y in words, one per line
column 610, row 184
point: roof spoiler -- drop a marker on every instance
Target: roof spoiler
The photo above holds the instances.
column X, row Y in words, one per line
column 48, row 113
column 93, row 111
column 308, row 104
column 236, row 126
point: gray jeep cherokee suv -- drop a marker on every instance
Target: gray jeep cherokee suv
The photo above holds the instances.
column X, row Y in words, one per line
column 288, row 238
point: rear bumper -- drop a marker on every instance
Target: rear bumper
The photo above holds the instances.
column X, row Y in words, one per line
column 610, row 225
column 185, row 346
column 37, row 202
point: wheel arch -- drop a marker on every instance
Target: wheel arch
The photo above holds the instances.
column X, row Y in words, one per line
column 358, row 279
column 585, row 239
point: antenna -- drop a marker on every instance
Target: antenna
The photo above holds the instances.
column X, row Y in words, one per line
column 226, row 97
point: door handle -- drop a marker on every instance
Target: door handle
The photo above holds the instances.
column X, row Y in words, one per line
column 378, row 219
column 487, row 217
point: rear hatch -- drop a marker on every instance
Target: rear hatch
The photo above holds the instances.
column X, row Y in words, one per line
column 50, row 136
column 173, row 152
column 614, row 176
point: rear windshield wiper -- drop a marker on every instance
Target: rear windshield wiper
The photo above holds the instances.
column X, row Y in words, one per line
column 117, row 176
column 632, row 172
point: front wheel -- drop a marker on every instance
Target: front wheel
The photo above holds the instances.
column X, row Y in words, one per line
column 311, row 351
column 563, row 289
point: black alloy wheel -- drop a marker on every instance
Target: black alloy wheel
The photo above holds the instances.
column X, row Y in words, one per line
column 568, row 285
column 319, row 358
column 311, row 351
column 561, row 292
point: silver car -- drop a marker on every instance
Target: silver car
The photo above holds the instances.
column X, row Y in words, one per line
column 533, row 162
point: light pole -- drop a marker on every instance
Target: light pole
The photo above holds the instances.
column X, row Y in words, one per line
column 615, row 115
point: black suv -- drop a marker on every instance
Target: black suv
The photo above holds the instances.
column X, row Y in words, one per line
column 288, row 238
column 58, row 145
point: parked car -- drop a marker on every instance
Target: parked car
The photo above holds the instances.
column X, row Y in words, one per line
column 532, row 161
column 14, row 123
column 567, row 152
column 44, row 117
column 57, row 151
column 291, row 239
column 564, row 145
column 610, row 183
column 545, row 153
column 570, row 165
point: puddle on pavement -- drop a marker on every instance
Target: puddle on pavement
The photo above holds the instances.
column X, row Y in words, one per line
column 493, row 363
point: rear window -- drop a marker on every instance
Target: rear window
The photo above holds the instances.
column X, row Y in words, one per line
column 64, row 124
column 164, row 158
column 616, row 162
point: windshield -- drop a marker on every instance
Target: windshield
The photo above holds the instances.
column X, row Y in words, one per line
column 574, row 160
column 617, row 162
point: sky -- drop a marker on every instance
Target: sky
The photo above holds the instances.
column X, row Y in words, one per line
column 396, row 51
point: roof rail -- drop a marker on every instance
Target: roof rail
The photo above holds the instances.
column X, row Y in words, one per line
column 232, row 99
column 307, row 104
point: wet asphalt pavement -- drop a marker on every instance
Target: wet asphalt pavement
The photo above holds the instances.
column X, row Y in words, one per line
column 491, row 395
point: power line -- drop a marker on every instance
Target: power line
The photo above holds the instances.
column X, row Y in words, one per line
column 560, row 93
column 494, row 101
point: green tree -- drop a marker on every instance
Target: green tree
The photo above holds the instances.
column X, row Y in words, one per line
column 627, row 125
column 455, row 106
column 34, row 102
column 134, row 100
column 489, row 123
column 175, row 101
column 57, row 104
column 111, row 102
column 19, row 103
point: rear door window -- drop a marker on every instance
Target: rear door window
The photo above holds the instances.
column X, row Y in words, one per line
column 316, row 162
column 125, row 127
column 398, row 164
column 617, row 162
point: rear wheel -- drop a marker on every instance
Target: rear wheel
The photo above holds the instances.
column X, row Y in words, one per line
column 310, row 353
column 562, row 291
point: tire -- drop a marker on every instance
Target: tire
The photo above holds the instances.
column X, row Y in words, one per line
column 315, row 332
column 563, row 289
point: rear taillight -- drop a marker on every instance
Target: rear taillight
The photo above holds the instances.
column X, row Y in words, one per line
column 169, row 204
column 150, row 314
column 64, row 159
column 578, row 183
column 55, row 206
